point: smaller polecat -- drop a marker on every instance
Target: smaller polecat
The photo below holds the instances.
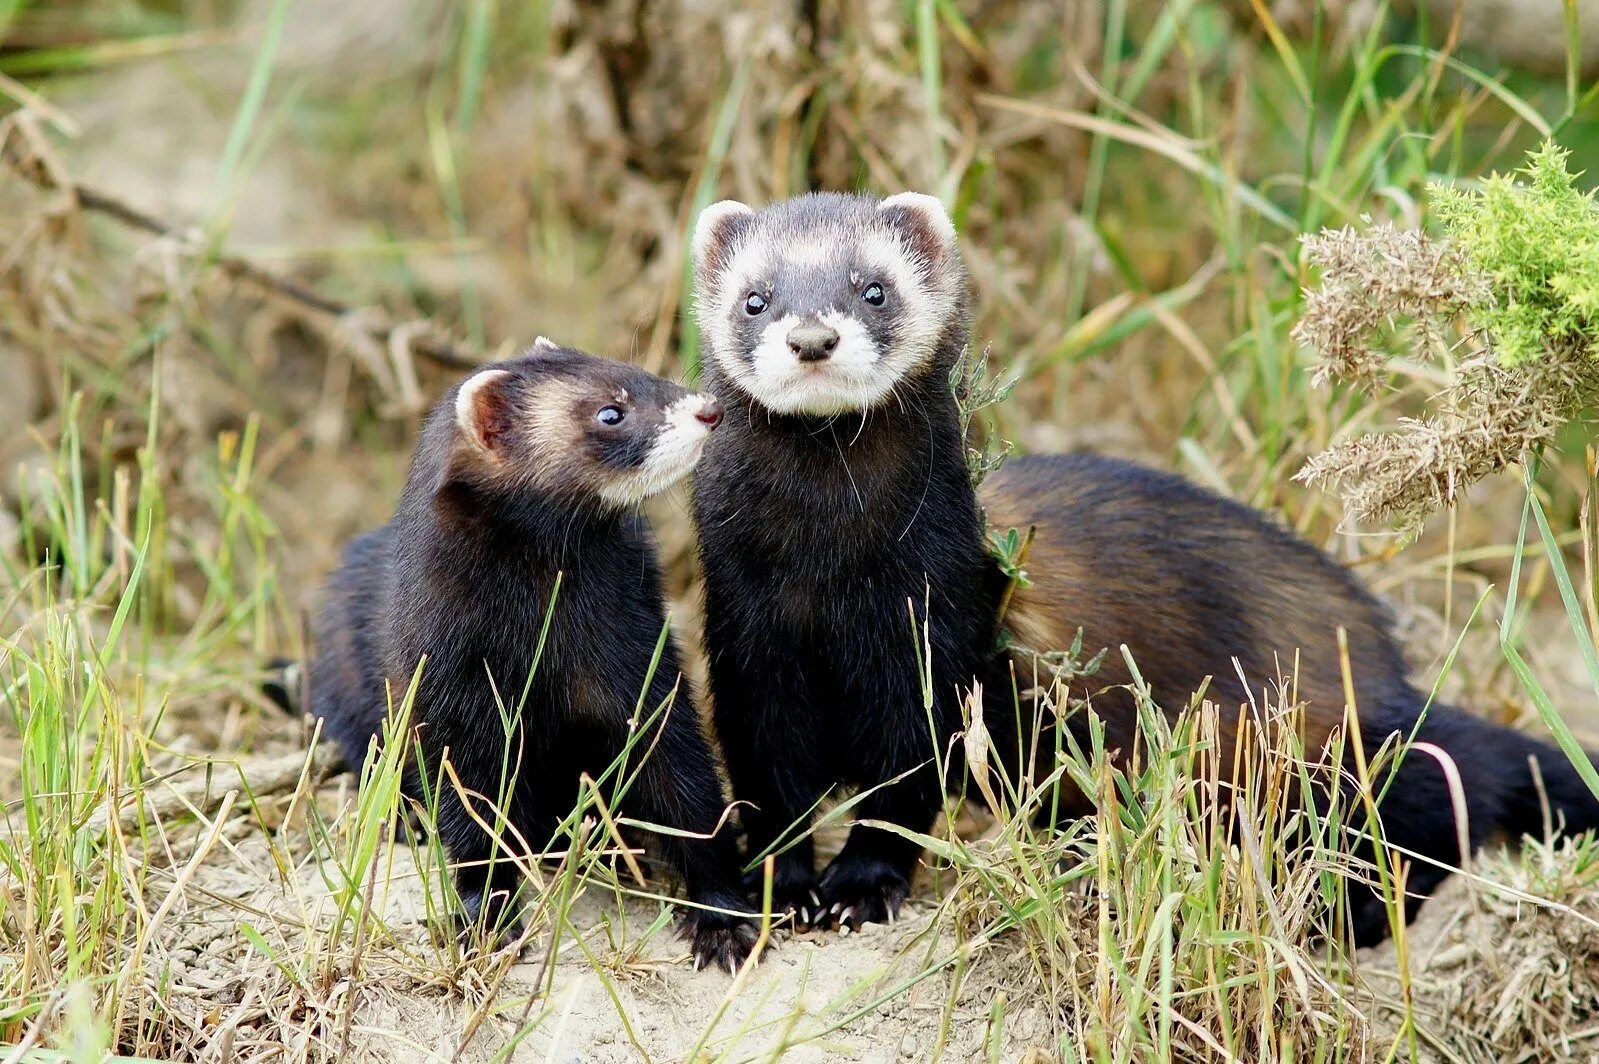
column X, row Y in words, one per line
column 528, row 472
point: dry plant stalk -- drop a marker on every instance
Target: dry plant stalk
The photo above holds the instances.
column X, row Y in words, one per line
column 24, row 150
column 1487, row 418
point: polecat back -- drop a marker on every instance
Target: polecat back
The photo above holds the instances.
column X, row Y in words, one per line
column 520, row 504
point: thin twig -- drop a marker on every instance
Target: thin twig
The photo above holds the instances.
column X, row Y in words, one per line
column 424, row 338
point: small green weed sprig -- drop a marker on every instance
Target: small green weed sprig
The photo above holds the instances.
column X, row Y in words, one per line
column 1536, row 245
column 976, row 388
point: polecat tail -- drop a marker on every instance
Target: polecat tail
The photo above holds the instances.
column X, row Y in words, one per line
column 1500, row 790
column 1509, row 779
column 1556, row 786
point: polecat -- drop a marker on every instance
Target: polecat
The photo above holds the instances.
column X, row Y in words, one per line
column 528, row 472
column 839, row 492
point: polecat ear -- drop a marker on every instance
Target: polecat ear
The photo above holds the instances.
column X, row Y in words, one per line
column 484, row 410
column 716, row 233
column 923, row 222
column 541, row 344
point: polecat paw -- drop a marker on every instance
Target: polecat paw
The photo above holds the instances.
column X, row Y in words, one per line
column 719, row 940
column 795, row 895
column 486, row 920
column 861, row 893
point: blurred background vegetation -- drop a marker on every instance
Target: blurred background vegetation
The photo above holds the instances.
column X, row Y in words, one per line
column 1131, row 179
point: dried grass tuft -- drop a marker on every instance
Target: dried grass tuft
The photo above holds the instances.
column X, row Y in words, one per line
column 1488, row 418
column 1521, row 980
column 1372, row 279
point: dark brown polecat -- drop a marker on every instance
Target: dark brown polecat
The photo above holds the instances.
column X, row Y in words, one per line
column 839, row 493
column 527, row 474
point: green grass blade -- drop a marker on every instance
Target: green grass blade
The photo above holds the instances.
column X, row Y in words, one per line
column 716, row 150
column 249, row 106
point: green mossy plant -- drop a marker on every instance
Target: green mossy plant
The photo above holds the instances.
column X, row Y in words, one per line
column 1536, row 243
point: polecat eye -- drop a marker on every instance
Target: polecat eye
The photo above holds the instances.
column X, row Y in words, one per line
column 754, row 304
column 610, row 415
column 874, row 294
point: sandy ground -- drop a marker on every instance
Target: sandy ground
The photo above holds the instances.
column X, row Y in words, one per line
column 1490, row 974
column 813, row 997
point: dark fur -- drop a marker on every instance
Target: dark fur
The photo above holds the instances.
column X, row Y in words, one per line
column 1191, row 582
column 463, row 574
column 816, row 532
column 818, row 535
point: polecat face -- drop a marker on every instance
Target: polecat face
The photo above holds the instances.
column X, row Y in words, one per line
column 572, row 425
column 825, row 303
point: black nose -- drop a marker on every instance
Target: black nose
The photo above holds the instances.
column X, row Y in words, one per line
column 812, row 341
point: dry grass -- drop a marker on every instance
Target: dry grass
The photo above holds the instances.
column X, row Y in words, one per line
column 1522, row 982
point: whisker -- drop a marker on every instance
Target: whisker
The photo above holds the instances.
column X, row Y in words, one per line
column 861, row 428
column 860, row 500
column 927, row 484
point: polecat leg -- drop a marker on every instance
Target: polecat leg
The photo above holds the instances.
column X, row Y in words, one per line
column 871, row 876
column 488, row 878
column 488, row 884
column 771, row 821
column 1418, row 805
column 677, row 787
column 764, row 714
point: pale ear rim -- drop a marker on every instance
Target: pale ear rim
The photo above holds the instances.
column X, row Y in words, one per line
column 929, row 208
column 543, row 343
column 711, row 223
column 466, row 404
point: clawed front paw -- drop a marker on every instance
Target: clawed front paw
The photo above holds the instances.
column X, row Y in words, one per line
column 861, row 893
column 796, row 896
column 718, row 940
